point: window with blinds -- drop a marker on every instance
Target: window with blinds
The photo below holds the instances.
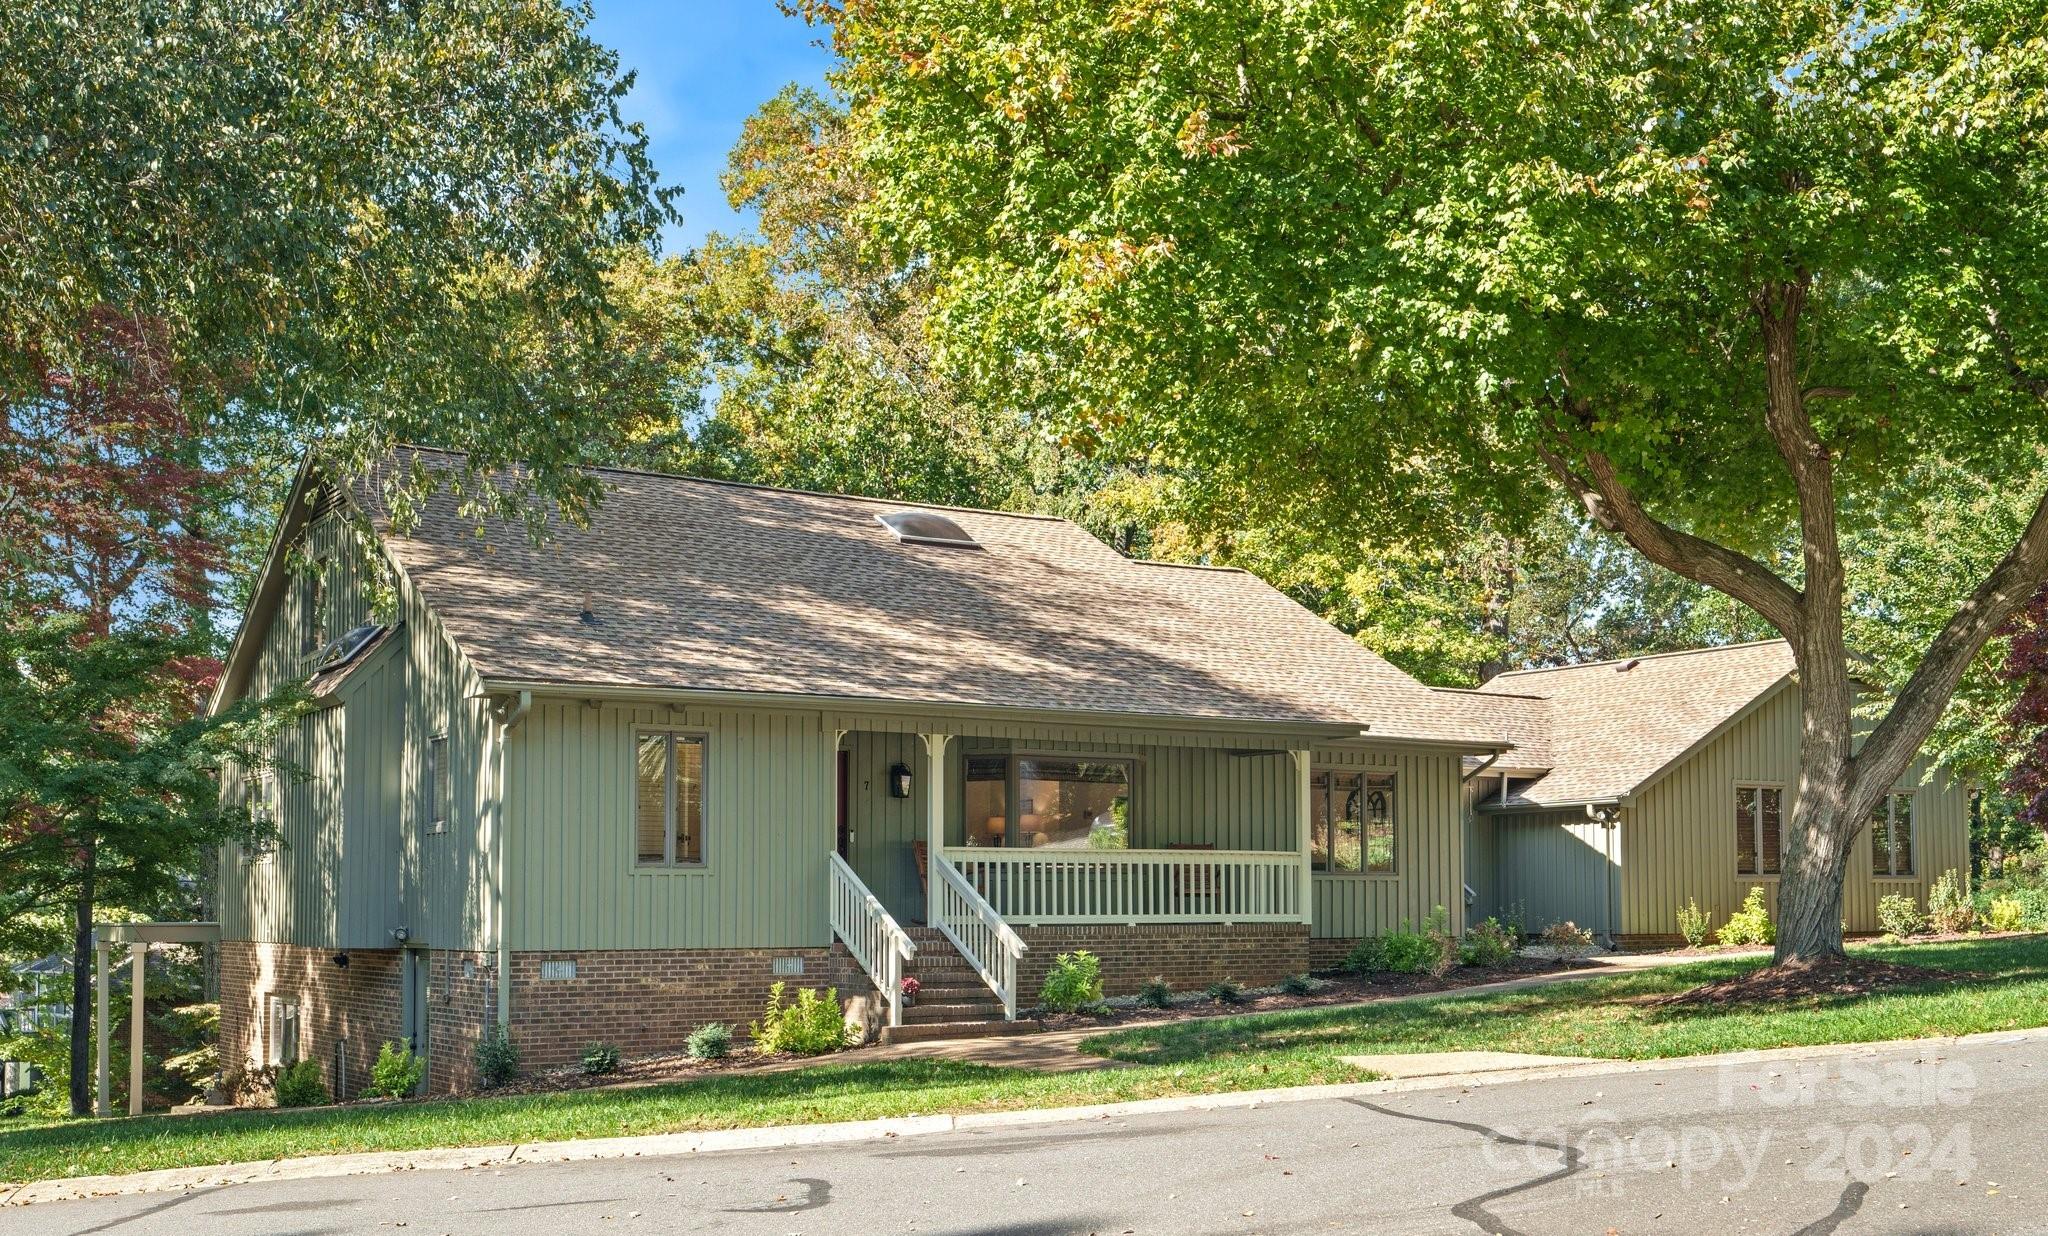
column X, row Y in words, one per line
column 668, row 799
column 1759, row 829
column 1891, row 837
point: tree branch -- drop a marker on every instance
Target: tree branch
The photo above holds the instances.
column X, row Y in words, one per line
column 1897, row 739
column 1608, row 501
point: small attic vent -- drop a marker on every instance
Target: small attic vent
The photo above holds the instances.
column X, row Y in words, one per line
column 926, row 528
column 1628, row 665
column 349, row 646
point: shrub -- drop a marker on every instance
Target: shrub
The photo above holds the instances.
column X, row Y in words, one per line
column 1568, row 940
column 1693, row 923
column 811, row 1026
column 1298, row 985
column 1751, row 925
column 600, row 1059
column 1073, row 983
column 1224, row 991
column 710, row 1041
column 1900, row 915
column 300, row 1086
column 2006, row 914
column 1443, row 945
column 497, row 1057
column 1407, row 952
column 1368, row 956
column 1489, row 944
column 1156, row 994
column 397, row 1072
column 1948, row 907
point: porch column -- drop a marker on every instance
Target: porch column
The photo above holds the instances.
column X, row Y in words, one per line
column 138, row 953
column 1303, row 822
column 103, row 1104
column 935, row 819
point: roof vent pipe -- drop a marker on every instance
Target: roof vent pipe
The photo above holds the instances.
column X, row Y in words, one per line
column 1628, row 665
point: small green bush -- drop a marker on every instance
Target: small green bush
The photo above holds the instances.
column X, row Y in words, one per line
column 600, row 1059
column 300, row 1086
column 1224, row 991
column 811, row 1026
column 1900, row 915
column 1751, row 925
column 710, row 1041
column 1368, row 956
column 1298, row 985
column 397, row 1072
column 1073, row 983
column 1488, row 944
column 1949, row 909
column 1156, row 994
column 2006, row 914
column 497, row 1057
column 1693, row 923
column 1407, row 952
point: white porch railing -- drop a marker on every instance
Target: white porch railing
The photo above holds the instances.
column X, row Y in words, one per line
column 874, row 938
column 983, row 938
column 1035, row 886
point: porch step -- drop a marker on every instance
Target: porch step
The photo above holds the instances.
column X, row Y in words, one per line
column 924, row 1032
column 926, row 1011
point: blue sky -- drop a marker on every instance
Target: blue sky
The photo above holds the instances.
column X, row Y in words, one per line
column 704, row 66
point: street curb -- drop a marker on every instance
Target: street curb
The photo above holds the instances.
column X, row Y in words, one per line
column 185, row 1179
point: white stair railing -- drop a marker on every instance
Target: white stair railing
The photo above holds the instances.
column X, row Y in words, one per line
column 988, row 943
column 874, row 938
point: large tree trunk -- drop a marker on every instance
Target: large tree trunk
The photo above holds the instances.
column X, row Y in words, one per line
column 81, row 987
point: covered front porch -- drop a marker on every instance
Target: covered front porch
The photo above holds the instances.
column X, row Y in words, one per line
column 991, row 838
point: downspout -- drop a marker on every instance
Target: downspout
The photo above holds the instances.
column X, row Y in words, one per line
column 1491, row 759
column 506, row 724
column 1607, row 818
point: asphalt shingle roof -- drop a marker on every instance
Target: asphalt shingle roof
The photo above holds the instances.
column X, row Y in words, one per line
column 705, row 585
column 1613, row 725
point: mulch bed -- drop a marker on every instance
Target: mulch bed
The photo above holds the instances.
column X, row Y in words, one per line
column 658, row 1070
column 1341, row 988
column 1855, row 976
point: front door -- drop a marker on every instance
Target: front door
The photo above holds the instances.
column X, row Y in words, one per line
column 845, row 775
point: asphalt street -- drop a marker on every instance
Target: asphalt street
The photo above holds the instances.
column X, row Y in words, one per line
column 1939, row 1138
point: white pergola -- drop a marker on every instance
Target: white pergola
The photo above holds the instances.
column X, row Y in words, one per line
column 138, row 937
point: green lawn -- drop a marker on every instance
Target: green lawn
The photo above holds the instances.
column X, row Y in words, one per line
column 1597, row 1017
column 1606, row 1017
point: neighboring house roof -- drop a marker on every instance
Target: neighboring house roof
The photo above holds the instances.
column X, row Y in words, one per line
column 711, row 586
column 1614, row 726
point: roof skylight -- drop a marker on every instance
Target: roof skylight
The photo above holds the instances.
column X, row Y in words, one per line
column 926, row 528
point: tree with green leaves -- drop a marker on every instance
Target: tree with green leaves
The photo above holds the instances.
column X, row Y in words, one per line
column 228, row 236
column 353, row 218
column 1721, row 275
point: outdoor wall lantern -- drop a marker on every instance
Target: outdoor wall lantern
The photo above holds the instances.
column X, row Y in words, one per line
column 899, row 781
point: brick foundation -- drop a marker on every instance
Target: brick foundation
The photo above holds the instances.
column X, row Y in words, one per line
column 1189, row 956
column 344, row 1014
column 647, row 1001
column 1328, row 954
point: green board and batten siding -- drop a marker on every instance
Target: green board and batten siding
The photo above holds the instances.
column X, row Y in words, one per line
column 1429, row 850
column 768, row 826
column 354, row 860
column 1678, row 835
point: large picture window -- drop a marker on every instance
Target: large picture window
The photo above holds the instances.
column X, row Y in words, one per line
column 1351, row 822
column 1759, row 829
column 1048, row 801
column 1891, row 836
column 668, row 799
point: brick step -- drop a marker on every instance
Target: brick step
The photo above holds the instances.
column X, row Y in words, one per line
column 952, row 993
column 968, row 1010
column 929, row 1031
